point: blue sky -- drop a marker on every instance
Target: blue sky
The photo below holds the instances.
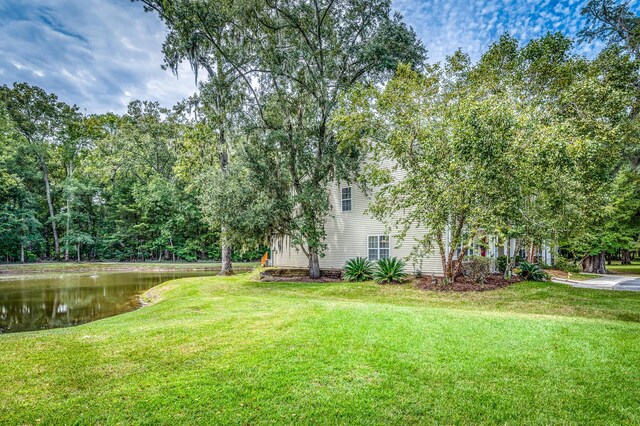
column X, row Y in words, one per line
column 100, row 54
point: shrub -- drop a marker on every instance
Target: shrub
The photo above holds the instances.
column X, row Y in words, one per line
column 501, row 263
column 358, row 269
column 564, row 264
column 532, row 272
column 476, row 268
column 390, row 270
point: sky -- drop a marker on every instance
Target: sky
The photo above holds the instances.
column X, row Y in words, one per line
column 101, row 54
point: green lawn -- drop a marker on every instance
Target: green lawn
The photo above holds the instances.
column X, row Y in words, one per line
column 230, row 351
column 633, row 269
column 574, row 276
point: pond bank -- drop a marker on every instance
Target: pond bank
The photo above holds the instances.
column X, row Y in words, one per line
column 29, row 268
column 38, row 301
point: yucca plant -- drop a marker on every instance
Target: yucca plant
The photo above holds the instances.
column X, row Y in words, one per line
column 532, row 272
column 390, row 270
column 358, row 269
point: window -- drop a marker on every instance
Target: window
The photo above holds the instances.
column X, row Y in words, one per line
column 346, row 199
column 522, row 253
column 469, row 251
column 378, row 247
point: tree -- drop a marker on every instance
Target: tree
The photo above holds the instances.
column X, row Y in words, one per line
column 612, row 22
column 19, row 226
column 439, row 153
column 74, row 146
column 580, row 115
column 295, row 59
column 38, row 117
column 312, row 54
column 204, row 34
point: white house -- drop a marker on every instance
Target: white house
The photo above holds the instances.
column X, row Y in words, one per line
column 351, row 233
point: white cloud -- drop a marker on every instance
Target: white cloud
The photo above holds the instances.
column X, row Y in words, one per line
column 473, row 25
column 99, row 55
column 17, row 64
column 103, row 54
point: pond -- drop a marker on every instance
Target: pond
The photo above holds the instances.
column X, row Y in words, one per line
column 37, row 302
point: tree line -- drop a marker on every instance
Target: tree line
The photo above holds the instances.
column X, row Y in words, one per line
column 533, row 142
column 96, row 187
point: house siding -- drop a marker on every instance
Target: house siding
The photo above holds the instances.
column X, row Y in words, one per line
column 346, row 237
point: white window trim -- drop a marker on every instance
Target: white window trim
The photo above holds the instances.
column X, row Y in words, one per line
column 378, row 248
column 342, row 200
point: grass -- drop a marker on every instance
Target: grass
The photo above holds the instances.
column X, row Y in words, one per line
column 20, row 268
column 633, row 269
column 231, row 351
column 575, row 276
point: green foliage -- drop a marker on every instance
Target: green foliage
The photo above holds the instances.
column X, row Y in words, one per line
column 614, row 22
column 561, row 263
column 477, row 268
column 501, row 264
column 308, row 57
column 359, row 269
column 114, row 192
column 454, row 145
column 532, row 272
column 389, row 270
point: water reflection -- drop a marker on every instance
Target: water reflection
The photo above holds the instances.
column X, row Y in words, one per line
column 45, row 301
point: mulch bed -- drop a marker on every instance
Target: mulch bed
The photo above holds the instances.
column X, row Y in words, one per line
column 299, row 275
column 493, row 282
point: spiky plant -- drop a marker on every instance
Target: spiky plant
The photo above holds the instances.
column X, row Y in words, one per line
column 532, row 272
column 358, row 269
column 390, row 270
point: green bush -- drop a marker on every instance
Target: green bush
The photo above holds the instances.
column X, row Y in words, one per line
column 476, row 268
column 532, row 272
column 501, row 263
column 358, row 269
column 390, row 270
column 564, row 264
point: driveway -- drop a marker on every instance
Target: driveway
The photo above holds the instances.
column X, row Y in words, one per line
column 610, row 282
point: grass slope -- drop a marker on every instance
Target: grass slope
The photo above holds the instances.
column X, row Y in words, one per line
column 230, row 351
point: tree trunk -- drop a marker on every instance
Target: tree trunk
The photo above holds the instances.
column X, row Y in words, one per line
column 227, row 266
column 625, row 257
column 66, row 243
column 595, row 264
column 511, row 260
column 52, row 217
column 78, row 252
column 21, row 252
column 314, row 263
column 223, row 158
